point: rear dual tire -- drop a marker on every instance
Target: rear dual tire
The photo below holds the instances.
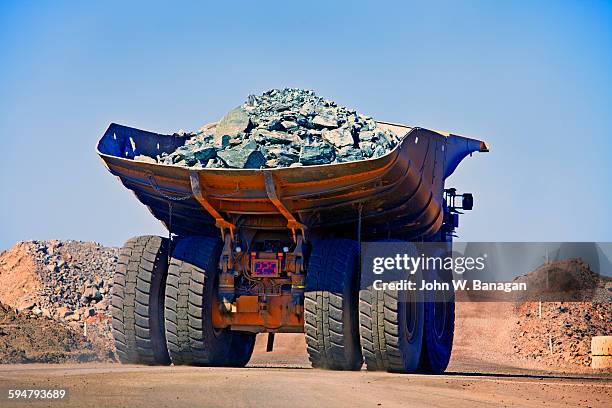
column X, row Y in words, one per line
column 439, row 312
column 331, row 321
column 410, row 332
column 162, row 313
column 137, row 301
column 190, row 297
column 391, row 329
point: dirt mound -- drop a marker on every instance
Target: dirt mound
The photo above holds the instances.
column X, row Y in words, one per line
column 517, row 334
column 562, row 335
column 57, row 278
column 26, row 338
column 66, row 281
column 558, row 334
column 19, row 282
column 568, row 280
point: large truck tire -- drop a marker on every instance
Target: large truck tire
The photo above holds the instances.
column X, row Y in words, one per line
column 331, row 320
column 190, row 294
column 439, row 325
column 137, row 302
column 391, row 329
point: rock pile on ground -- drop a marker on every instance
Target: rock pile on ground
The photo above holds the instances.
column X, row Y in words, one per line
column 65, row 281
column 282, row 128
column 75, row 278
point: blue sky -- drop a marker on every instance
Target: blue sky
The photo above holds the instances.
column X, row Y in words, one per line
column 532, row 78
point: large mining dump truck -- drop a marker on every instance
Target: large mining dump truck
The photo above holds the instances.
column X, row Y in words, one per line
column 277, row 251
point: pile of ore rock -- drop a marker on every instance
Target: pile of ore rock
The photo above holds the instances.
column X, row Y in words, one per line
column 76, row 278
column 60, row 284
column 282, row 128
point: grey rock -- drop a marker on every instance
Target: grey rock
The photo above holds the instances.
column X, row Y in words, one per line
column 349, row 153
column 304, row 122
column 91, row 293
column 366, row 136
column 383, row 140
column 379, row 151
column 275, row 124
column 339, row 137
column 225, row 141
column 325, row 121
column 246, row 156
column 204, row 155
column 273, row 163
column 307, row 109
column 317, row 154
column 233, row 123
column 287, row 158
column 367, row 149
column 289, row 125
column 263, row 136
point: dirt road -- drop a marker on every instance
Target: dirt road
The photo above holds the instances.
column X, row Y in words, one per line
column 482, row 372
column 96, row 385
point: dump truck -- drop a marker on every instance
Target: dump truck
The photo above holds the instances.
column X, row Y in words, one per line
column 272, row 251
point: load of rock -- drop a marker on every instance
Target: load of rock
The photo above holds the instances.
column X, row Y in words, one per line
column 282, row 128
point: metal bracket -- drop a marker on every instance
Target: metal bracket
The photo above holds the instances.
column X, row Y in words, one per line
column 297, row 278
column 298, row 255
column 226, row 263
column 220, row 222
column 226, row 288
column 292, row 223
